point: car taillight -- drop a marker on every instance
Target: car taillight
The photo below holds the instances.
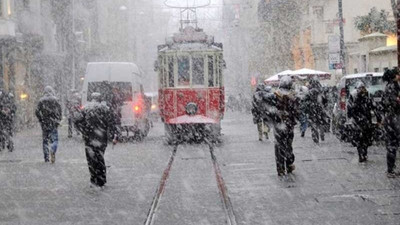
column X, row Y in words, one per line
column 136, row 109
column 342, row 102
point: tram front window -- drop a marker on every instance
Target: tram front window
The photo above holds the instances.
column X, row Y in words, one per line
column 198, row 70
column 184, row 71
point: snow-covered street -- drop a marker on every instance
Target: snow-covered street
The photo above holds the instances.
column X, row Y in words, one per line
column 329, row 186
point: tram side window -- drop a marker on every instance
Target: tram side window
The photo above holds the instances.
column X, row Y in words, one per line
column 162, row 72
column 220, row 66
column 183, row 71
column 198, row 70
column 171, row 82
column 211, row 71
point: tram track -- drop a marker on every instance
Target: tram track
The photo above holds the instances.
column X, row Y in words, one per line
column 222, row 189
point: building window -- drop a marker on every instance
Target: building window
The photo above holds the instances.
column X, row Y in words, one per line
column 329, row 28
column 376, row 70
column 26, row 4
column 318, row 11
column 385, row 69
column 356, row 70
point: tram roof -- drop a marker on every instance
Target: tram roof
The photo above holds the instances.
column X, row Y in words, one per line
column 190, row 47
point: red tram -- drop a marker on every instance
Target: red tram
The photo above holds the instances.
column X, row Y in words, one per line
column 191, row 87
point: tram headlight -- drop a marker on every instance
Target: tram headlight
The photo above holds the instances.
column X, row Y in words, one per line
column 191, row 108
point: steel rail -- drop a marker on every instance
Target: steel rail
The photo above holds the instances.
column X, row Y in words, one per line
column 160, row 189
column 223, row 191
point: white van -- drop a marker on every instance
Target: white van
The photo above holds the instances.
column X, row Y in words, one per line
column 120, row 85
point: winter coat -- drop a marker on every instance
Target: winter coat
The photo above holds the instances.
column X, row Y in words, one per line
column 360, row 109
column 288, row 107
column 48, row 111
column 391, row 99
column 95, row 122
column 314, row 104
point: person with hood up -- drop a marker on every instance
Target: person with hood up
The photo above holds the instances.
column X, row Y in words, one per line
column 391, row 102
column 95, row 122
column 360, row 110
column 48, row 112
column 283, row 112
column 314, row 105
column 258, row 110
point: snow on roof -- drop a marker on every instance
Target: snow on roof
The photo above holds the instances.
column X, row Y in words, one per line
column 384, row 49
column 359, row 75
column 373, row 35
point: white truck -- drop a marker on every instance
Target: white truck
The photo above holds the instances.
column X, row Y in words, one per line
column 120, row 85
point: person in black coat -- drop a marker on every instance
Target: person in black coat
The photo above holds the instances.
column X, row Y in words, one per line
column 95, row 122
column 361, row 109
column 282, row 112
column 391, row 102
column 48, row 112
column 314, row 107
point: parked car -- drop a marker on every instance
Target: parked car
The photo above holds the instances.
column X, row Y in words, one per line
column 341, row 125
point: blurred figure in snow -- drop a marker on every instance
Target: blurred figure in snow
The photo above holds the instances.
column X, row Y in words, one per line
column 314, row 106
column 95, row 122
column 8, row 110
column 48, row 112
column 258, row 110
column 391, row 102
column 303, row 115
column 360, row 109
column 73, row 107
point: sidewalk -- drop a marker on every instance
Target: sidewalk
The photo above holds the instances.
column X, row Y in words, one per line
column 329, row 186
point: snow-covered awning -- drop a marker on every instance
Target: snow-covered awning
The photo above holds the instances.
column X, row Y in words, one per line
column 301, row 74
column 308, row 73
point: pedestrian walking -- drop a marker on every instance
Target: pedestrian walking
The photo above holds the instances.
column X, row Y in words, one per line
column 48, row 112
column 360, row 110
column 95, row 122
column 258, row 111
column 73, row 107
column 303, row 91
column 315, row 103
column 391, row 102
column 283, row 112
column 8, row 110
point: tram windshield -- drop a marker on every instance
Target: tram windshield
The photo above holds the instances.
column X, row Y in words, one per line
column 183, row 71
column 198, row 70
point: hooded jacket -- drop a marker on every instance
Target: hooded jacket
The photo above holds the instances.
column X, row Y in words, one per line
column 48, row 110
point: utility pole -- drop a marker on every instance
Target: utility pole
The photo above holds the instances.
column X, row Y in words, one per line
column 73, row 44
column 342, row 45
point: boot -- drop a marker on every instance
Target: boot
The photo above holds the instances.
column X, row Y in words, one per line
column 266, row 136
column 53, row 157
column 302, row 134
column 290, row 168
